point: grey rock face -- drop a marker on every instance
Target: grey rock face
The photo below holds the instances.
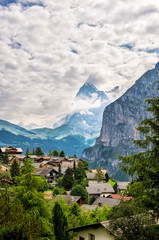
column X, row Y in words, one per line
column 120, row 120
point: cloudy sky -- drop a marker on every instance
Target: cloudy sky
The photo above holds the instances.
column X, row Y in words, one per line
column 50, row 48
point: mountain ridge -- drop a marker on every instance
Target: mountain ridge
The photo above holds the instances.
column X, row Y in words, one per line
column 120, row 119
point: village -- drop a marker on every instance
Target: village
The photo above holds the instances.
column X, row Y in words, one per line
column 98, row 189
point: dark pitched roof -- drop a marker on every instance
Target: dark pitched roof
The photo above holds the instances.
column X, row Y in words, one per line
column 43, row 171
column 110, row 202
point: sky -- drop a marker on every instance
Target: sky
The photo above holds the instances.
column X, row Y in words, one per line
column 50, row 48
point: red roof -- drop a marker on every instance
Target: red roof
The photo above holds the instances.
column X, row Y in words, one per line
column 4, row 169
column 122, row 197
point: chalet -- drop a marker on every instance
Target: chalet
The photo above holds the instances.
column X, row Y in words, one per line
column 55, row 161
column 122, row 186
column 99, row 189
column 50, row 174
column 109, row 202
column 94, row 231
column 91, row 178
column 11, row 151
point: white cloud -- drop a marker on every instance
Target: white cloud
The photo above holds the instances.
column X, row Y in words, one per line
column 47, row 53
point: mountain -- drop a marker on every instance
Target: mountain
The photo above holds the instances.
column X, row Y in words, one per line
column 46, row 138
column 78, row 132
column 88, row 118
column 120, row 120
column 88, row 90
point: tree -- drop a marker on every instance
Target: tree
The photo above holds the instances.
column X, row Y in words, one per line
column 60, row 222
column 27, row 151
column 59, row 170
column 38, row 151
column 68, row 179
column 50, row 153
column 99, row 176
column 62, row 154
column 33, row 152
column 107, row 177
column 129, row 222
column 5, row 157
column 28, row 166
column 74, row 166
column 14, row 170
column 144, row 166
column 59, row 190
column 55, row 153
column 78, row 190
column 86, row 165
column 4, row 175
column 79, row 172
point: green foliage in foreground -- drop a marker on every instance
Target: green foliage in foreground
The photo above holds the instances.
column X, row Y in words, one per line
column 130, row 222
column 60, row 222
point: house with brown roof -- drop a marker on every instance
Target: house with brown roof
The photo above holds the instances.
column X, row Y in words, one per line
column 94, row 231
column 51, row 175
column 12, row 151
column 99, row 189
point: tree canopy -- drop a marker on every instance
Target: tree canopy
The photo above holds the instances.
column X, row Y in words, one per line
column 62, row 154
column 68, row 179
column 144, row 166
column 39, row 151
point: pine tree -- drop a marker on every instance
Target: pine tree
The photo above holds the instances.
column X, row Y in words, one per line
column 27, row 151
column 38, row 151
column 59, row 170
column 62, row 154
column 60, row 222
column 80, row 172
column 68, row 179
column 99, row 176
column 107, row 177
column 14, row 170
column 74, row 166
column 33, row 152
column 5, row 157
column 55, row 153
column 144, row 166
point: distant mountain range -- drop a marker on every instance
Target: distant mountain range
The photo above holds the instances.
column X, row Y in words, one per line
column 120, row 120
column 79, row 130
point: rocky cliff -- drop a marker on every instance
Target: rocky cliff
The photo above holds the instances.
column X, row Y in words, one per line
column 120, row 120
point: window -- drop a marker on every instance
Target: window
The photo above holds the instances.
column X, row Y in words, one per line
column 81, row 238
column 91, row 236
